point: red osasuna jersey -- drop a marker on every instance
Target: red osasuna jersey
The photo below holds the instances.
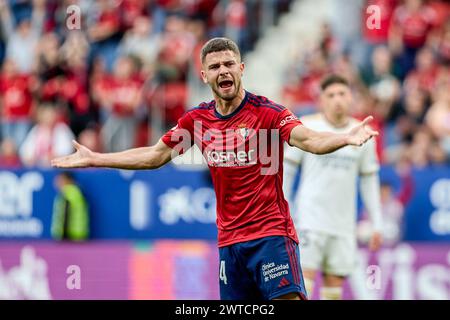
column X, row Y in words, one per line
column 244, row 152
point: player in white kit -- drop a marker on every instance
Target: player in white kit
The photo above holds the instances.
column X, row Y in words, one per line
column 324, row 207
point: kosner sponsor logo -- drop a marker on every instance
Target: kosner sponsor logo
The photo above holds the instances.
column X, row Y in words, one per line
column 231, row 147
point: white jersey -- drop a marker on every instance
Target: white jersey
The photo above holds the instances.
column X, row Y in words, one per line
column 326, row 198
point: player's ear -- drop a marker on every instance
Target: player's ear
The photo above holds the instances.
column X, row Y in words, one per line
column 242, row 67
column 203, row 73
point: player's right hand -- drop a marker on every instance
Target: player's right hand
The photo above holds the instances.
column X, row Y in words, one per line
column 361, row 133
column 80, row 159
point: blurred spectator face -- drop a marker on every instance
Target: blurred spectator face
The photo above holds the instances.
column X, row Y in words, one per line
column 50, row 41
column 142, row 26
column 317, row 62
column 344, row 67
column 223, row 70
column 336, row 99
column 425, row 59
column 124, row 68
column 197, row 28
column 89, row 138
column 49, row 47
column 105, row 5
column 381, row 60
column 9, row 68
column 98, row 66
column 47, row 116
column 422, row 138
column 413, row 5
column 442, row 94
column 175, row 24
column 418, row 151
column 385, row 192
column 8, row 148
column 75, row 49
column 62, row 180
column 24, row 26
column 415, row 103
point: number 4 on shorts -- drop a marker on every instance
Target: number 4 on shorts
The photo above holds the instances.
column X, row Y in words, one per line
column 222, row 275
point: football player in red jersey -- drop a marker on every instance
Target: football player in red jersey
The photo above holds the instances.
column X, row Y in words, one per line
column 258, row 245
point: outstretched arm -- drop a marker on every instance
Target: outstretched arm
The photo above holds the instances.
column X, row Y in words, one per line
column 134, row 159
column 326, row 142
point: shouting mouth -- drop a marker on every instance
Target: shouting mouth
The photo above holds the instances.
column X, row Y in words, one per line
column 225, row 84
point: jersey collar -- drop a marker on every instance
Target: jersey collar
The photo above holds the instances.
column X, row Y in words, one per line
column 228, row 116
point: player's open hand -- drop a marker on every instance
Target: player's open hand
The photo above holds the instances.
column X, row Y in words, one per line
column 361, row 133
column 81, row 158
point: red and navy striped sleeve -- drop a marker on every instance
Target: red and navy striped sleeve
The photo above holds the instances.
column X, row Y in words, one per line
column 181, row 137
column 285, row 122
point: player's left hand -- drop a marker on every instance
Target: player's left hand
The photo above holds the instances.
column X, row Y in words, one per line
column 361, row 133
column 375, row 241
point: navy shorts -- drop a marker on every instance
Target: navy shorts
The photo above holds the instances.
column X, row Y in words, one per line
column 261, row 269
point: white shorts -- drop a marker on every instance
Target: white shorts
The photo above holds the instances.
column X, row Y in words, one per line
column 331, row 254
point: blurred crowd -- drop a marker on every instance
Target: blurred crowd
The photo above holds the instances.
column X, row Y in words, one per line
column 104, row 72
column 396, row 54
column 108, row 71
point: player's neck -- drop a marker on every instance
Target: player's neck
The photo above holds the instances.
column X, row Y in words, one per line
column 337, row 122
column 226, row 107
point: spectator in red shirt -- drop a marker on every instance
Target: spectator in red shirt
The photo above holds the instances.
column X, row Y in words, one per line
column 133, row 10
column 104, row 32
column 16, row 102
column 425, row 74
column 47, row 139
column 120, row 97
column 411, row 25
column 375, row 33
column 9, row 158
column 63, row 73
column 440, row 42
column 176, row 50
column 236, row 22
column 307, row 90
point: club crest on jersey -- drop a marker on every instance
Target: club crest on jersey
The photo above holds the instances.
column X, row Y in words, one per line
column 207, row 136
column 243, row 133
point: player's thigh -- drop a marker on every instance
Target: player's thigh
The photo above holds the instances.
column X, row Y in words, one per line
column 234, row 280
column 341, row 256
column 275, row 265
column 312, row 249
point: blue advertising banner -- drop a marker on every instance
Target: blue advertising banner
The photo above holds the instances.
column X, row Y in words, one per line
column 427, row 214
column 166, row 203
column 180, row 204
